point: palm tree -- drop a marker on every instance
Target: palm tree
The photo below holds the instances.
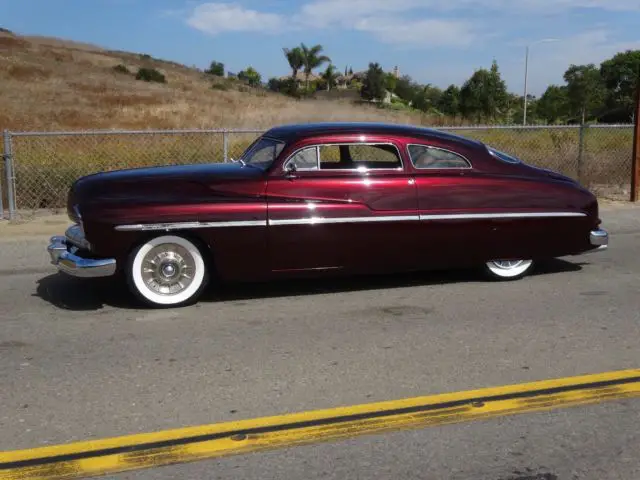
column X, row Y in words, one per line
column 330, row 76
column 295, row 58
column 312, row 59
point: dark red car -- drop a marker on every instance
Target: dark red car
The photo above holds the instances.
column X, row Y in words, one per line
column 334, row 198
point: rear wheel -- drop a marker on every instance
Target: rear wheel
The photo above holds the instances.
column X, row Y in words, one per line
column 508, row 269
column 167, row 271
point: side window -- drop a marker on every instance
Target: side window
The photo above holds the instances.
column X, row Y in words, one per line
column 425, row 157
column 354, row 156
column 305, row 159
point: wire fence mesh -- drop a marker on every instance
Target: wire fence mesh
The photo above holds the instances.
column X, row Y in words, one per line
column 45, row 164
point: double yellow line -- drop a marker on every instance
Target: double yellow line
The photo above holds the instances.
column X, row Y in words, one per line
column 85, row 459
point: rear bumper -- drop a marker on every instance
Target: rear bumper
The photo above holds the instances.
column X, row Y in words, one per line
column 64, row 253
column 600, row 239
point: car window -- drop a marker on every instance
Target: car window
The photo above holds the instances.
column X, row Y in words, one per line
column 503, row 156
column 263, row 152
column 356, row 156
column 427, row 157
column 305, row 159
column 346, row 157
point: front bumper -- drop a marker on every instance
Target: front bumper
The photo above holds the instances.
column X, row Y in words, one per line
column 64, row 252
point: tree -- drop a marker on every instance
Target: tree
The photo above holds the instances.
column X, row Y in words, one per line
column 621, row 75
column 585, row 89
column 250, row 76
column 216, row 68
column 391, row 82
column 496, row 99
column 312, row 59
column 374, row 83
column 427, row 98
column 449, row 103
column 484, row 94
column 407, row 89
column 553, row 105
column 295, row 58
column 330, row 76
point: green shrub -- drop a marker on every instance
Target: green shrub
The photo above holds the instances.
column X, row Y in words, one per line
column 150, row 75
column 121, row 69
column 220, row 86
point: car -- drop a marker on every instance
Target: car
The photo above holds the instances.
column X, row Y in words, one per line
column 323, row 199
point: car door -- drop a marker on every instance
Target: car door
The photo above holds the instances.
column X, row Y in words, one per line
column 342, row 204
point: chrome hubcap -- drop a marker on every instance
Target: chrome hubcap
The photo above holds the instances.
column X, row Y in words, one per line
column 508, row 264
column 168, row 269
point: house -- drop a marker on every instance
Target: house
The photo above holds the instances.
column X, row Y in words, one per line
column 346, row 81
column 301, row 78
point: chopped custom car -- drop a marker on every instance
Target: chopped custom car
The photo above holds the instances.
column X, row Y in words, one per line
column 324, row 199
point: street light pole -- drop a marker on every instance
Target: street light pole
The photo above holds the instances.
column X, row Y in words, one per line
column 526, row 74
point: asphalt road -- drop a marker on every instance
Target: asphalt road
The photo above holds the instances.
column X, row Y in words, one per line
column 79, row 362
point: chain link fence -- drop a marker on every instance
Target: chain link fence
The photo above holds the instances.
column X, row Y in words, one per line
column 39, row 167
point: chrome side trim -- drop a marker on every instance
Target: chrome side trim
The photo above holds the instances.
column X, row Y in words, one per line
column 188, row 225
column 324, row 220
column 474, row 216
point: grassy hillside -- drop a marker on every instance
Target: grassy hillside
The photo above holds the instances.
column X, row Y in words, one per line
column 51, row 84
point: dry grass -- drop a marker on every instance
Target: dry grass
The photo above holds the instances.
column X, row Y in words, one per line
column 50, row 84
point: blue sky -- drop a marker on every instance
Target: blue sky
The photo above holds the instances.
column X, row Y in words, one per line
column 434, row 41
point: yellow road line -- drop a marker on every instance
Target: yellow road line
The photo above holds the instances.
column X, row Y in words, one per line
column 98, row 457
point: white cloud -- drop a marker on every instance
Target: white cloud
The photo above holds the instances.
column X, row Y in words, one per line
column 410, row 23
column 420, row 33
column 215, row 18
column 323, row 13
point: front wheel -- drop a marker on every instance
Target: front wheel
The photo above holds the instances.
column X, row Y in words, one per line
column 508, row 269
column 167, row 271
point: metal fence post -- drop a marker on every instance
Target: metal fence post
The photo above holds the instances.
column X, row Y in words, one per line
column 225, row 146
column 1, row 182
column 635, row 155
column 583, row 128
column 8, row 170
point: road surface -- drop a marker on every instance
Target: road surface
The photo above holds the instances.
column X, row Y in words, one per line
column 81, row 362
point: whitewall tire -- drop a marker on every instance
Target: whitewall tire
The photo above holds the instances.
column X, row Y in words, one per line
column 167, row 271
column 508, row 269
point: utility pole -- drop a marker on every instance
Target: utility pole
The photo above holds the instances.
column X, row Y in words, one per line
column 526, row 74
column 635, row 159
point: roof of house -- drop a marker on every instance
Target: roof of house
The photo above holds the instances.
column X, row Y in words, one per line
column 301, row 77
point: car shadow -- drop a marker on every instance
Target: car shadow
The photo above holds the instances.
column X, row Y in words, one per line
column 75, row 294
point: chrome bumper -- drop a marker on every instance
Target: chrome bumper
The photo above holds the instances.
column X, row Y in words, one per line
column 599, row 238
column 63, row 249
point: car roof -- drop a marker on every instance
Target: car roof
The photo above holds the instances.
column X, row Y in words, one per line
column 304, row 130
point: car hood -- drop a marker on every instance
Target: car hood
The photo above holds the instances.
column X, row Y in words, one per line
column 160, row 184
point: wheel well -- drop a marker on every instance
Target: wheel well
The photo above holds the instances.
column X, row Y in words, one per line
column 197, row 240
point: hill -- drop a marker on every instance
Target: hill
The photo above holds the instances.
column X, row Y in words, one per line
column 52, row 84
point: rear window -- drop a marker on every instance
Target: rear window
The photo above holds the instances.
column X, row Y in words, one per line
column 503, row 157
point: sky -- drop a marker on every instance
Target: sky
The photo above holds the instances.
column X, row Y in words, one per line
column 434, row 41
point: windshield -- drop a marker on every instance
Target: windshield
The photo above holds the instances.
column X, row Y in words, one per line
column 503, row 156
column 262, row 152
